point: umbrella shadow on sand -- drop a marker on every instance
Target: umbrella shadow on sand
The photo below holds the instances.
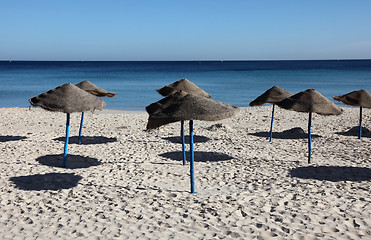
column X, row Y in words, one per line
column 332, row 173
column 196, row 139
column 354, row 131
column 11, row 138
column 200, row 156
column 87, row 140
column 49, row 181
column 293, row 133
column 74, row 161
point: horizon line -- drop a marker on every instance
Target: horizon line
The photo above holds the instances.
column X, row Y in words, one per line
column 199, row 60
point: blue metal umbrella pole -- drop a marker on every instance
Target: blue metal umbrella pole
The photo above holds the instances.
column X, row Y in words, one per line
column 66, row 142
column 271, row 132
column 360, row 122
column 183, row 142
column 81, row 123
column 191, row 161
column 309, row 137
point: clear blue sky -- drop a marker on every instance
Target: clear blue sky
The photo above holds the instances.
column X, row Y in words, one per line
column 184, row 30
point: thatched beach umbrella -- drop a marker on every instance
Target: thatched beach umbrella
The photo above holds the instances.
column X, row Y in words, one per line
column 272, row 95
column 310, row 101
column 359, row 98
column 182, row 106
column 67, row 98
column 95, row 90
column 186, row 86
column 182, row 85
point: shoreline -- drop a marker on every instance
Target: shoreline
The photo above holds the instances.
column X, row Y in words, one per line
column 103, row 111
column 123, row 111
column 118, row 111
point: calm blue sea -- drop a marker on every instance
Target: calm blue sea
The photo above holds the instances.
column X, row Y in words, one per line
column 233, row 82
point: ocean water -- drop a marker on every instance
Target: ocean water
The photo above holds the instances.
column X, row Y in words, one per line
column 233, row 82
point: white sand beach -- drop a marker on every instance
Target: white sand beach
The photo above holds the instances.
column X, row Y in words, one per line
column 127, row 183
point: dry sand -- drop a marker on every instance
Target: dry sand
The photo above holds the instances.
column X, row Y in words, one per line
column 128, row 183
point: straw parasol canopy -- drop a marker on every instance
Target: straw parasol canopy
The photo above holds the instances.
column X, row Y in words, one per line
column 272, row 95
column 310, row 101
column 67, row 98
column 164, row 103
column 359, row 98
column 94, row 89
column 182, row 85
column 182, row 106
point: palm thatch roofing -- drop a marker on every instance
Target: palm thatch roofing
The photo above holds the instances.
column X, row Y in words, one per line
column 165, row 102
column 272, row 95
column 356, row 98
column 310, row 101
column 182, row 85
column 94, row 89
column 67, row 98
column 183, row 106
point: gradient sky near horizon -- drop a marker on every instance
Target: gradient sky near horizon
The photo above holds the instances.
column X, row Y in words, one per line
column 184, row 30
